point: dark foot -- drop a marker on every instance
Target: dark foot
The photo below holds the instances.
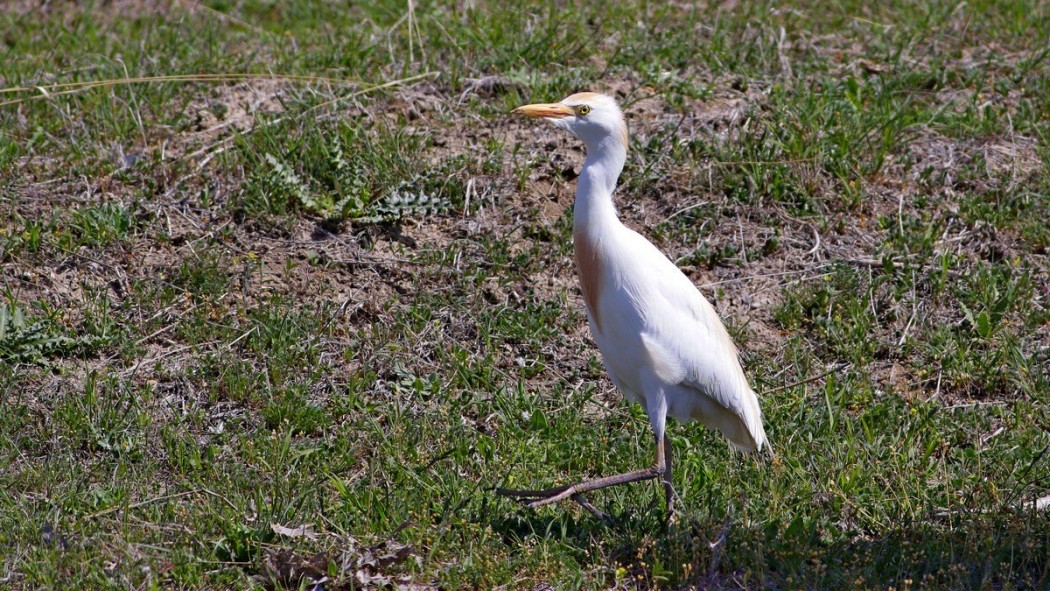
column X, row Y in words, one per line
column 536, row 498
column 675, row 508
column 529, row 497
column 603, row 516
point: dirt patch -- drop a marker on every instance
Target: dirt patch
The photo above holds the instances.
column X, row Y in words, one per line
column 229, row 110
column 1015, row 157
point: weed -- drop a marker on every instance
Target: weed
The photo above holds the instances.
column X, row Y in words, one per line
column 25, row 339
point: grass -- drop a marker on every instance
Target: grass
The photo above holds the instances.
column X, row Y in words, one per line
column 299, row 319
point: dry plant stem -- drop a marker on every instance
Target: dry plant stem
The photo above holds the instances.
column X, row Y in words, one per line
column 539, row 498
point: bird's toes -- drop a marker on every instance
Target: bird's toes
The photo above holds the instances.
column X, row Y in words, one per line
column 674, row 515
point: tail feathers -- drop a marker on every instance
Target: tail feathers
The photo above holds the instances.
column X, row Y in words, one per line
column 753, row 444
column 741, row 426
column 751, row 441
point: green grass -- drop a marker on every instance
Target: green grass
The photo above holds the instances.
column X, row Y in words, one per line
column 232, row 308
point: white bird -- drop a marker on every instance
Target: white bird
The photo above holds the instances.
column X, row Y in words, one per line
column 662, row 343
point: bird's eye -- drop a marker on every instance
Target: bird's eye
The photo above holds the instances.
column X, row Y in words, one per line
column 583, row 110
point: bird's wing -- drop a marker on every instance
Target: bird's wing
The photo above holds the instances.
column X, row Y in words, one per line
column 689, row 344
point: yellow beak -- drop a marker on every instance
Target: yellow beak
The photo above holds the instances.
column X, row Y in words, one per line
column 547, row 110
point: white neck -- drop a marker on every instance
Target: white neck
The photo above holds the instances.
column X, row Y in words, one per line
column 594, row 189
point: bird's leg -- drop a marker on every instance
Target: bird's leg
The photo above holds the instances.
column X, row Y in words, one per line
column 538, row 498
column 669, row 492
column 668, row 489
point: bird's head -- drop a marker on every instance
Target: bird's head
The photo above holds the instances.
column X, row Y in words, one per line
column 594, row 118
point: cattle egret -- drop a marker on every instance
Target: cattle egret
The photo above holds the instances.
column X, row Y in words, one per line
column 662, row 343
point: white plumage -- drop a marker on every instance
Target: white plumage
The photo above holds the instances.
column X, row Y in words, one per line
column 662, row 339
column 662, row 342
